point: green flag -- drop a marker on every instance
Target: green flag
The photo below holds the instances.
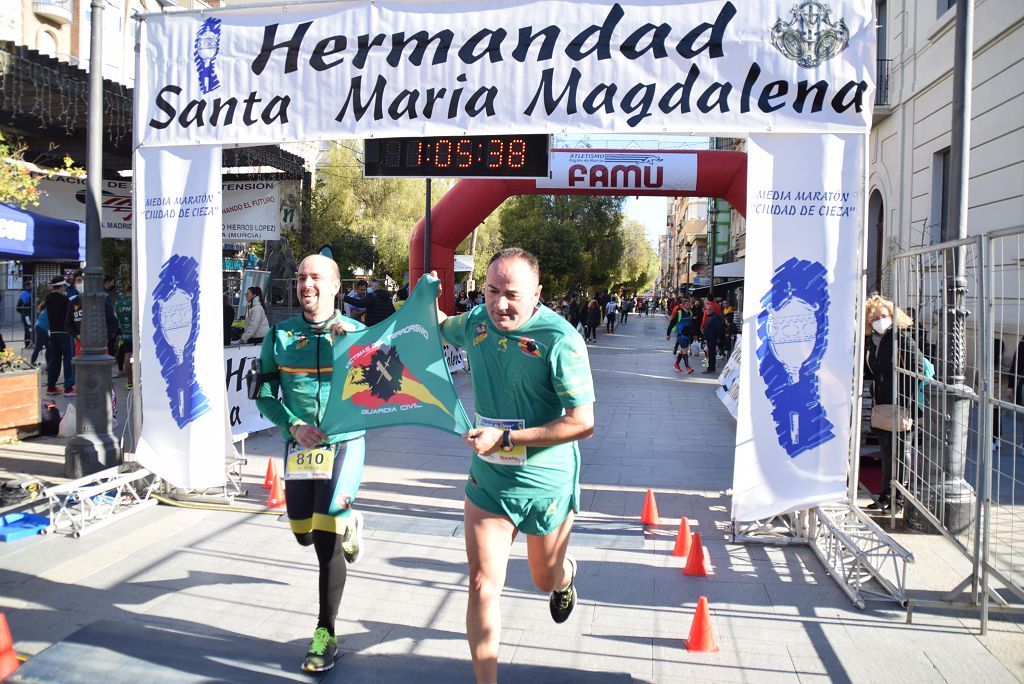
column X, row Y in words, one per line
column 395, row 373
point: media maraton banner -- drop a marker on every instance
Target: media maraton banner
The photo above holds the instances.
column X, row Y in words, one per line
column 804, row 200
column 396, row 68
column 251, row 212
column 180, row 314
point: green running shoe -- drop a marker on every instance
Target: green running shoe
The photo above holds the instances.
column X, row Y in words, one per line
column 562, row 602
column 352, row 543
column 322, row 651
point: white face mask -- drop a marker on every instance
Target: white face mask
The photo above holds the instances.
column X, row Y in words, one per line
column 881, row 325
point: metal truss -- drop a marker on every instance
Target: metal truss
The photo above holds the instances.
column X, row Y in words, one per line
column 94, row 501
column 863, row 560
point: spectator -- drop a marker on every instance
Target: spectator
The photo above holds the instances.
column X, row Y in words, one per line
column 24, row 309
column 377, row 303
column 610, row 307
column 60, row 349
column 256, row 323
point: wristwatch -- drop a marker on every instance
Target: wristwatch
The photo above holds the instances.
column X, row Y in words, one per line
column 506, row 440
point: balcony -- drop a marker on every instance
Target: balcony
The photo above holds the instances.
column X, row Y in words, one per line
column 882, row 106
column 57, row 11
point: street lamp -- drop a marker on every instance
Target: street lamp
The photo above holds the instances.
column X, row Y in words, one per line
column 373, row 264
column 94, row 447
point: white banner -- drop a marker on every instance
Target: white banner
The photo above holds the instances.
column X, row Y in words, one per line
column 180, row 313
column 456, row 358
column 447, row 67
column 241, row 363
column 252, row 209
column 596, row 169
column 804, row 199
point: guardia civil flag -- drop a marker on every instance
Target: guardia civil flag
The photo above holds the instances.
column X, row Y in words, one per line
column 395, row 373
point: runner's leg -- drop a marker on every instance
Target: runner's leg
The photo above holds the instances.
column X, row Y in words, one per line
column 546, row 555
column 488, row 543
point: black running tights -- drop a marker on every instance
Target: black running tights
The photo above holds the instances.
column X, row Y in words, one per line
column 332, row 573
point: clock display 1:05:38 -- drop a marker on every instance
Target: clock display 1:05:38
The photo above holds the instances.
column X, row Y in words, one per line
column 498, row 156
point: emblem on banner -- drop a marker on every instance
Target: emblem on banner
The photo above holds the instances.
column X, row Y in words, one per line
column 207, row 47
column 810, row 37
column 381, row 379
column 175, row 329
column 112, row 203
column 792, row 329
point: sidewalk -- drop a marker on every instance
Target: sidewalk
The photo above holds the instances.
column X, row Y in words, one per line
column 225, row 596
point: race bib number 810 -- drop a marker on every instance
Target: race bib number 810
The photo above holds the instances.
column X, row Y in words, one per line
column 310, row 464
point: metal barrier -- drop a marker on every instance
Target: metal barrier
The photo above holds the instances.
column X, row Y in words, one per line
column 956, row 468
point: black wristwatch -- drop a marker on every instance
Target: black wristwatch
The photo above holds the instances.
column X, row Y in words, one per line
column 506, row 440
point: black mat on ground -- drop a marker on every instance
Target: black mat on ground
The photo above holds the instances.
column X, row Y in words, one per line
column 128, row 653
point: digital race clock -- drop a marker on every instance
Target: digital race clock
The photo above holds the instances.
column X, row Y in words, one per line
column 482, row 156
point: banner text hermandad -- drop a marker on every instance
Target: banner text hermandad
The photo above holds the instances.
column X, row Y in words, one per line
column 380, row 69
column 395, row 373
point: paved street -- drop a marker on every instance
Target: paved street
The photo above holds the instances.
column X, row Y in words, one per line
column 229, row 596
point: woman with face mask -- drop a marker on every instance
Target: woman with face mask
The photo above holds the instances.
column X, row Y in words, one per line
column 888, row 325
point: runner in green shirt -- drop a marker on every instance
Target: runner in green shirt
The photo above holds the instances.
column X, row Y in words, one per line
column 534, row 398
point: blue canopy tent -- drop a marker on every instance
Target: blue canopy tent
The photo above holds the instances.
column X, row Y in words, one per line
column 27, row 236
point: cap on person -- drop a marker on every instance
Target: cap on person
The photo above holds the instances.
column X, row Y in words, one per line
column 58, row 281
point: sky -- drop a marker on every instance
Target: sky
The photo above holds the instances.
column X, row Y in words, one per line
column 651, row 212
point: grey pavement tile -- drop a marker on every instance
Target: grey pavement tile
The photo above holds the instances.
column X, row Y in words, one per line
column 630, row 655
column 673, row 663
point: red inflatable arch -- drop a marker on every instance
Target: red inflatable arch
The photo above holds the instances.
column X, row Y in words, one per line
column 719, row 173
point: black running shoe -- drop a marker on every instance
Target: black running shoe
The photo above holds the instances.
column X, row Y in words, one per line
column 562, row 602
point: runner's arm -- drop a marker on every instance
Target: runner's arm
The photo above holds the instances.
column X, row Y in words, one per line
column 577, row 423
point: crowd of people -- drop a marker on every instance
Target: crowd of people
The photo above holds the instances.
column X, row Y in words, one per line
column 53, row 323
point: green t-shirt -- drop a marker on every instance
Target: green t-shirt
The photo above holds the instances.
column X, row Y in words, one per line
column 532, row 374
column 123, row 311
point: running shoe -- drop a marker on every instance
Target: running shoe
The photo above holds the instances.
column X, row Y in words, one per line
column 677, row 368
column 562, row 602
column 69, row 391
column 688, row 370
column 322, row 651
column 352, row 544
column 53, row 391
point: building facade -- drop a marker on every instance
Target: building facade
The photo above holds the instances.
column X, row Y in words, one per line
column 908, row 185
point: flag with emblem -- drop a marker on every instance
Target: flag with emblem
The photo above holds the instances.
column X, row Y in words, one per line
column 395, row 373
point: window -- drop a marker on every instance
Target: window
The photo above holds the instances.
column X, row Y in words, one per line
column 944, row 5
column 47, row 43
column 881, row 10
column 940, row 195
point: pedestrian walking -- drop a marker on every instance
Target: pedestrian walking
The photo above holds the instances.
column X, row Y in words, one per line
column 322, row 472
column 593, row 320
column 534, row 399
column 610, row 309
column 713, row 329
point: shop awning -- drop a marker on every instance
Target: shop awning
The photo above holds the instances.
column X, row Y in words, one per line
column 733, row 269
column 720, row 288
column 27, row 236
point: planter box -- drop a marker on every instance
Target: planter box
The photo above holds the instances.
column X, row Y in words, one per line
column 19, row 404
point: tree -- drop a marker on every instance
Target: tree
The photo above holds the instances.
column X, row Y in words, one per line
column 577, row 239
column 639, row 261
column 18, row 186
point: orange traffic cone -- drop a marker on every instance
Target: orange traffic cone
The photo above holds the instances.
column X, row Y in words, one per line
column 702, row 639
column 682, row 547
column 695, row 566
column 276, row 499
column 268, row 481
column 8, row 659
column 650, row 514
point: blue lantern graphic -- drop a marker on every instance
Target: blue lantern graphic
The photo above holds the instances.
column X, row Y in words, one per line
column 792, row 331
column 204, row 54
column 176, row 327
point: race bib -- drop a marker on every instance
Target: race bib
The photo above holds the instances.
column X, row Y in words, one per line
column 310, row 464
column 517, row 456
